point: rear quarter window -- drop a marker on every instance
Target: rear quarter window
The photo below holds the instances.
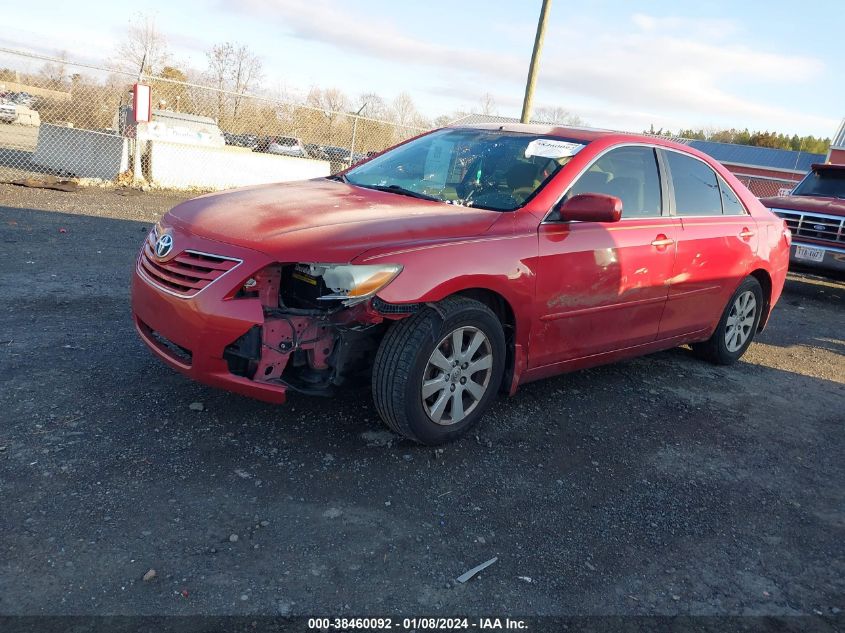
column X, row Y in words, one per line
column 731, row 204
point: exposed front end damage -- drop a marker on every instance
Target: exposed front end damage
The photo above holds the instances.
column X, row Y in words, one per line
column 306, row 342
column 288, row 326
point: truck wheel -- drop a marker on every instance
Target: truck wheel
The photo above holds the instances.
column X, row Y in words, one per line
column 437, row 371
column 737, row 326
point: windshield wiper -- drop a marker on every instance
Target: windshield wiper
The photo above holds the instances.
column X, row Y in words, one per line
column 400, row 190
column 338, row 177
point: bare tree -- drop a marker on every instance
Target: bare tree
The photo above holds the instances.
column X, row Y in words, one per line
column 372, row 106
column 332, row 101
column 556, row 114
column 329, row 99
column 232, row 68
column 406, row 116
column 221, row 62
column 144, row 50
column 404, row 113
column 56, row 72
column 247, row 70
column 488, row 105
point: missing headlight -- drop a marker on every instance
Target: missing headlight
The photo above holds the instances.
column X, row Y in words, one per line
column 301, row 288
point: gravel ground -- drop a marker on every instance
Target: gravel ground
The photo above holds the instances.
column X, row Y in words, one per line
column 661, row 485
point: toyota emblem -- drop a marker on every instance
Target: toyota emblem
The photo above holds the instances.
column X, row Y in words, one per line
column 164, row 245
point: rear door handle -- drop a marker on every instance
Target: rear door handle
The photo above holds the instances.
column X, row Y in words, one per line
column 662, row 240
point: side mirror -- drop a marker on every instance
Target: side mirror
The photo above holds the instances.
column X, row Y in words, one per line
column 591, row 207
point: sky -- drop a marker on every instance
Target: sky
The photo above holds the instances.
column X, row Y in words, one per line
column 620, row 64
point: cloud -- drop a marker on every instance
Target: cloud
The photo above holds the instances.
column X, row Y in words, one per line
column 351, row 31
column 677, row 75
column 710, row 28
column 677, row 68
column 54, row 45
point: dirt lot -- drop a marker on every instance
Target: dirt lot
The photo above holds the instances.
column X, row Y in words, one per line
column 658, row 486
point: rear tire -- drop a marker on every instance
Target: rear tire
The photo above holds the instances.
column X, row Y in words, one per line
column 737, row 326
column 436, row 372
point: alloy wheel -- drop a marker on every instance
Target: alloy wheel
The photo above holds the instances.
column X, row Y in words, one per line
column 740, row 321
column 457, row 375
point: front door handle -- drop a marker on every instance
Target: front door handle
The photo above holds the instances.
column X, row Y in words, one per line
column 746, row 233
column 662, row 240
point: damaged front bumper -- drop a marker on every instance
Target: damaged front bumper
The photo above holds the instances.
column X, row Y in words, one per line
column 241, row 337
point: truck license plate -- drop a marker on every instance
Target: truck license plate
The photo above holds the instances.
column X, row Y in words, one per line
column 809, row 254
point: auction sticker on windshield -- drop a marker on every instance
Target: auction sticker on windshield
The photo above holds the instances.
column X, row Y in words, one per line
column 552, row 148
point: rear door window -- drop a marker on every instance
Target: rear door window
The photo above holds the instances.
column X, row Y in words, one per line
column 696, row 189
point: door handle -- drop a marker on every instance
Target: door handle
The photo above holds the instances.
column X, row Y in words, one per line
column 746, row 233
column 662, row 240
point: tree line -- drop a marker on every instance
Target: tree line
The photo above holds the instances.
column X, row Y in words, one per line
column 775, row 140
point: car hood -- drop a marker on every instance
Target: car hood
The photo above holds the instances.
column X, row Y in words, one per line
column 323, row 220
column 809, row 204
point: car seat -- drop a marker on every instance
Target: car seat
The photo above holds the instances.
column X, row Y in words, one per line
column 591, row 182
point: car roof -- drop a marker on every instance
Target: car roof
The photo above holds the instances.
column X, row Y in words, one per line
column 573, row 133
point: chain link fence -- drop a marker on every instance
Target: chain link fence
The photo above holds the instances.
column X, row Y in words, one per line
column 765, row 187
column 69, row 119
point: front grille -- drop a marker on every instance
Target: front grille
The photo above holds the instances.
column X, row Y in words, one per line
column 815, row 226
column 187, row 273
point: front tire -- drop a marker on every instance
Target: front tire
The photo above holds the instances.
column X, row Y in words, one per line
column 437, row 371
column 737, row 326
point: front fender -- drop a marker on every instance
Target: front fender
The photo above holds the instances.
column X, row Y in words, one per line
column 504, row 264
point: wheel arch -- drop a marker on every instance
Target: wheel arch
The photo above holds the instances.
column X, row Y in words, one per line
column 765, row 280
column 503, row 310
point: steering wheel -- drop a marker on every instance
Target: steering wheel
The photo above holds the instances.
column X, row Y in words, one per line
column 473, row 188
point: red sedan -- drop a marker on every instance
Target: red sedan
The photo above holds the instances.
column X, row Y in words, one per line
column 459, row 264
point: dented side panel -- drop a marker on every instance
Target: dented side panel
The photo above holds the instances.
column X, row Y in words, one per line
column 600, row 286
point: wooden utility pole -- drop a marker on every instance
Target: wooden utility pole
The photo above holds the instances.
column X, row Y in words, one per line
column 535, row 62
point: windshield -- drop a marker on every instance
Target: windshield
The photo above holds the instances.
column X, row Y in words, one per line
column 829, row 183
column 489, row 169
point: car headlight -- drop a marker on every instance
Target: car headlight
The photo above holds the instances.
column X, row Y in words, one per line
column 352, row 283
